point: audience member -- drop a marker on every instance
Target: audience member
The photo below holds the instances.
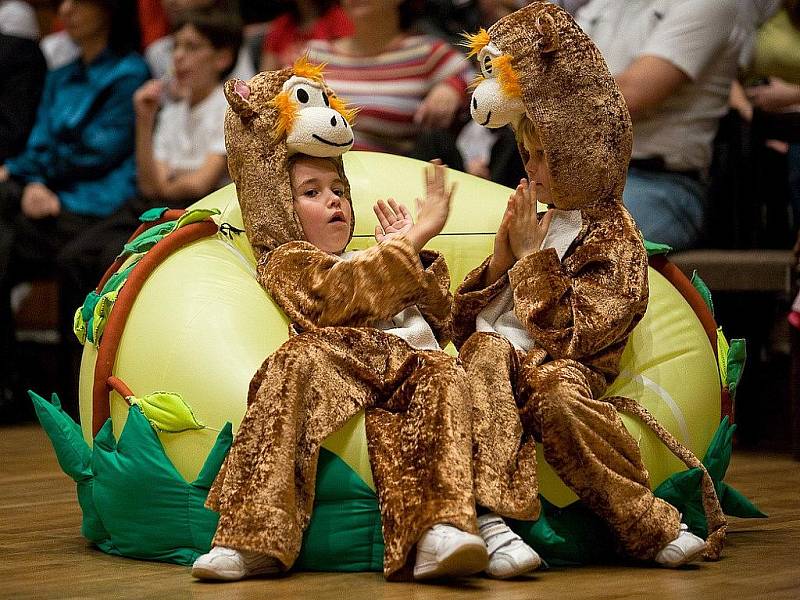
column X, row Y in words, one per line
column 286, row 36
column 22, row 71
column 159, row 54
column 77, row 167
column 674, row 62
column 402, row 82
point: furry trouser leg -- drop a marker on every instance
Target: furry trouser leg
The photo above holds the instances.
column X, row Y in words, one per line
column 588, row 446
column 504, row 457
column 418, row 431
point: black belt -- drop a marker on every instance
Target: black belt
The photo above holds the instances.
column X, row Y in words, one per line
column 656, row 164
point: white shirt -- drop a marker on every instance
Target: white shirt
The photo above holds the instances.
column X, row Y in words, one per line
column 699, row 38
column 18, row 19
column 184, row 136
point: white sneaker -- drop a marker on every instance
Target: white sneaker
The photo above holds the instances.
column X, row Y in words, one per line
column 446, row 551
column 683, row 549
column 228, row 564
column 509, row 556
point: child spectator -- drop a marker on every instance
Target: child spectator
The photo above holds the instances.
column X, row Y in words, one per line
column 78, row 165
column 159, row 54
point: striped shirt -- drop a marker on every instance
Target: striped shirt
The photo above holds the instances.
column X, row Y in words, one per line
column 390, row 87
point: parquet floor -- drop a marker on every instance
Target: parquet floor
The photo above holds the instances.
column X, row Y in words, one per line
column 42, row 554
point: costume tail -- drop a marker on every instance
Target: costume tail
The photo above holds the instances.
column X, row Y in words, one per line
column 717, row 524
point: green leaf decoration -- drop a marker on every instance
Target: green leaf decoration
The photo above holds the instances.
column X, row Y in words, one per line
column 79, row 325
column 167, row 412
column 149, row 238
column 654, row 248
column 74, row 456
column 737, row 356
column 195, row 215
column 102, row 310
column 682, row 489
column 722, row 357
column 703, row 290
column 154, row 214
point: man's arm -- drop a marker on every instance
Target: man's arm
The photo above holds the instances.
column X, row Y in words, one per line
column 647, row 82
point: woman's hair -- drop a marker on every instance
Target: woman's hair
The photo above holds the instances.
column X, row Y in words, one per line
column 124, row 34
column 223, row 30
column 793, row 8
column 409, row 11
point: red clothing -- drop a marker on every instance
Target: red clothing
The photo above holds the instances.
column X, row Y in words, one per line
column 152, row 20
column 287, row 41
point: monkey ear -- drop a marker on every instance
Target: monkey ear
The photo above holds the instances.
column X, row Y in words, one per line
column 546, row 26
column 237, row 92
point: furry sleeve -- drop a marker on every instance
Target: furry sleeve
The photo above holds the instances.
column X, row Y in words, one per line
column 437, row 303
column 586, row 305
column 470, row 299
column 316, row 289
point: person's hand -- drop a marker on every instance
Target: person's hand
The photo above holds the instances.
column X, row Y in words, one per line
column 479, row 168
column 39, row 201
column 3, row 173
column 147, row 99
column 502, row 257
column 774, row 96
column 525, row 231
column 394, row 219
column 439, row 108
column 432, row 212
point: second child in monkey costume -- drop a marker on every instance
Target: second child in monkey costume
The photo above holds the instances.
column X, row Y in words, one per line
column 543, row 322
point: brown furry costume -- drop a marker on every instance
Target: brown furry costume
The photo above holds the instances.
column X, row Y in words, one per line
column 417, row 418
column 577, row 307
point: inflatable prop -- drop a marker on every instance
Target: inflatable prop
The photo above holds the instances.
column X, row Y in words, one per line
column 180, row 321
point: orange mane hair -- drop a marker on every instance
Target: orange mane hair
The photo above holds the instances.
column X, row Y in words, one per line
column 344, row 109
column 507, row 76
column 303, row 68
column 476, row 41
column 287, row 113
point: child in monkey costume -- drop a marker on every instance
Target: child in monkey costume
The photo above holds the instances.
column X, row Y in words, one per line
column 368, row 331
column 542, row 323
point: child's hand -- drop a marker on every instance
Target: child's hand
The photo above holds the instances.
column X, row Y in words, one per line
column 525, row 231
column 394, row 219
column 502, row 257
column 432, row 212
column 147, row 99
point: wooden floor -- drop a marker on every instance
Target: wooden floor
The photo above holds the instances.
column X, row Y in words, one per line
column 43, row 555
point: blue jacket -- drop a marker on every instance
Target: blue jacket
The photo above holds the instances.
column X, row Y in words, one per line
column 82, row 143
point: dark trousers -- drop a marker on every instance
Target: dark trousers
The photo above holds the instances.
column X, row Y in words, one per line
column 73, row 249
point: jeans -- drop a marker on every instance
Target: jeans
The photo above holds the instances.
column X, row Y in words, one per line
column 669, row 208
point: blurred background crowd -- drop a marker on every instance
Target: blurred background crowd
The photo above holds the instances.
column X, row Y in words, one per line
column 111, row 107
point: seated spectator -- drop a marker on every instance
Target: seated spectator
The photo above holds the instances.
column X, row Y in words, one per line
column 674, row 63
column 286, row 36
column 78, row 165
column 180, row 151
column 403, row 83
column 22, row 71
column 159, row 54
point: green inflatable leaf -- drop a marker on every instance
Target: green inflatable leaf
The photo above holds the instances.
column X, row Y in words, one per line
column 737, row 356
column 654, row 248
column 703, row 290
column 74, row 457
column 149, row 238
column 154, row 214
column 167, row 412
column 735, row 503
column 195, row 215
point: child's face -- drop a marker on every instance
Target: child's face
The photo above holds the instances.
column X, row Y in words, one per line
column 536, row 167
column 320, row 203
column 197, row 63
